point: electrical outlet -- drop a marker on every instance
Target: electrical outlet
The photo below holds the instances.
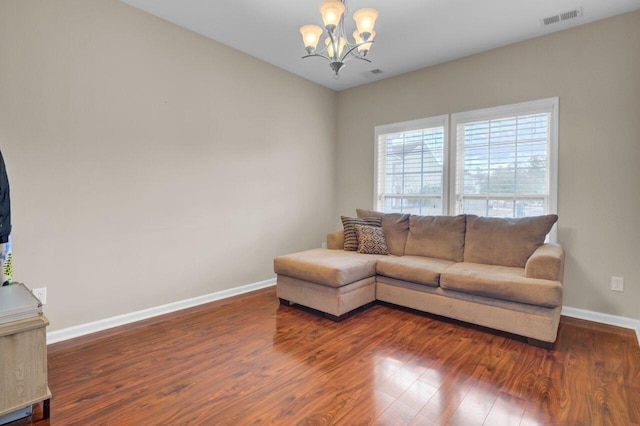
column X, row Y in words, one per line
column 41, row 294
column 617, row 284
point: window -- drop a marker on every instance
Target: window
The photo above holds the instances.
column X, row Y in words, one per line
column 506, row 160
column 500, row 162
column 410, row 166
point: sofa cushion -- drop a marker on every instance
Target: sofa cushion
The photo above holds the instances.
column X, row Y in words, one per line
column 395, row 227
column 417, row 269
column 371, row 240
column 441, row 237
column 506, row 242
column 333, row 268
column 501, row 282
column 350, row 236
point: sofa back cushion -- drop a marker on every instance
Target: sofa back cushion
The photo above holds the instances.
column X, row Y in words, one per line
column 505, row 242
column 395, row 227
column 441, row 237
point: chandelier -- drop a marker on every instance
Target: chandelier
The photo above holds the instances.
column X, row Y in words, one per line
column 338, row 49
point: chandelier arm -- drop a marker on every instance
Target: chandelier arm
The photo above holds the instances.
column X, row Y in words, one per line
column 354, row 48
column 321, row 51
column 334, row 44
column 361, row 58
column 319, row 56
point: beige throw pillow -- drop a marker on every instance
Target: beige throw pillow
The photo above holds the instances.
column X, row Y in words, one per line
column 350, row 236
column 371, row 240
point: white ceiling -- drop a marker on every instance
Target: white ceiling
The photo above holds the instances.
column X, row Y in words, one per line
column 411, row 34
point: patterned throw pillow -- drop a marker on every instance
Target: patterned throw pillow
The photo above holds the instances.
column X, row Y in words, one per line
column 371, row 240
column 350, row 237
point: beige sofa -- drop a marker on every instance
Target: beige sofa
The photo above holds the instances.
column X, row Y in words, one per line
column 493, row 272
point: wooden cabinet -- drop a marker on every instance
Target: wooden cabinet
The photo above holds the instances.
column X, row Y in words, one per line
column 23, row 365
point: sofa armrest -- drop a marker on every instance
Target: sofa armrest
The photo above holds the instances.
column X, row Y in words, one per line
column 335, row 240
column 546, row 263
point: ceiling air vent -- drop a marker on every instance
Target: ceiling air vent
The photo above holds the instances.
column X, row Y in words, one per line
column 371, row 73
column 561, row 17
column 551, row 20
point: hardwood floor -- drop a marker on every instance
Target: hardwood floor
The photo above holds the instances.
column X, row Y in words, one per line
column 253, row 361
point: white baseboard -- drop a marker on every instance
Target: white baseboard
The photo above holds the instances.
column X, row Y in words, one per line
column 104, row 324
column 618, row 321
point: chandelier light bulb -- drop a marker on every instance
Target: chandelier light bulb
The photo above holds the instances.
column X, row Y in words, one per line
column 365, row 20
column 341, row 44
column 331, row 11
column 310, row 36
column 362, row 46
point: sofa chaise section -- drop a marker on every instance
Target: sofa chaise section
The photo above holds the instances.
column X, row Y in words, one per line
column 334, row 282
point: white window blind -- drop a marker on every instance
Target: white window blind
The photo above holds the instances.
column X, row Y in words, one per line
column 411, row 166
column 506, row 160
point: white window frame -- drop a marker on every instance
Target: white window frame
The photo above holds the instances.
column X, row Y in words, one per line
column 450, row 159
column 408, row 126
column 548, row 105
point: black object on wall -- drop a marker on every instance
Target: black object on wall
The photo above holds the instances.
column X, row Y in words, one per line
column 5, row 203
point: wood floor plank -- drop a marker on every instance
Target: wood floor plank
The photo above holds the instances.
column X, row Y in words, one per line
column 253, row 361
column 534, row 417
column 633, row 404
column 398, row 413
column 444, row 403
column 524, row 368
column 418, row 395
column 507, row 410
column 474, row 408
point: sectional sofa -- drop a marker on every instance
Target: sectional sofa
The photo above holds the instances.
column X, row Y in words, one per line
column 494, row 272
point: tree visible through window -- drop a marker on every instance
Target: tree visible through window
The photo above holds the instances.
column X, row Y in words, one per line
column 503, row 165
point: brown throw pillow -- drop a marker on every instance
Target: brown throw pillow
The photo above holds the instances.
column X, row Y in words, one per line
column 505, row 242
column 441, row 237
column 350, row 237
column 371, row 240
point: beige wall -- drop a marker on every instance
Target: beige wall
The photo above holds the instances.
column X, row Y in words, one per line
column 595, row 71
column 149, row 164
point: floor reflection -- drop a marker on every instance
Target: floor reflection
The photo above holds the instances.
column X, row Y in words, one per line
column 420, row 371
